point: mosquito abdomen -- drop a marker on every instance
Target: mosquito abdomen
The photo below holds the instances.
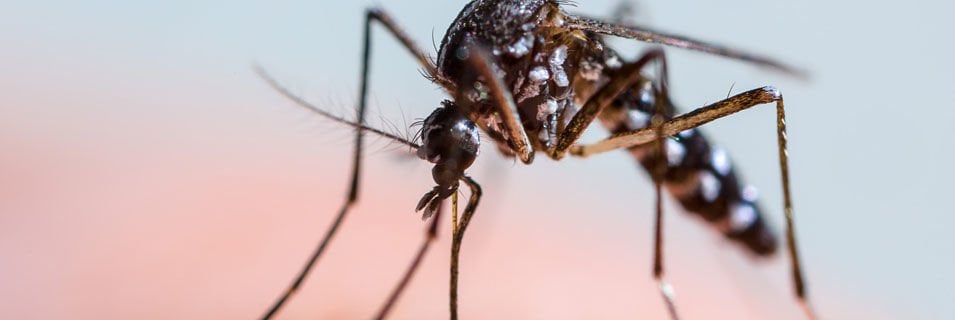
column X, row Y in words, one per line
column 699, row 175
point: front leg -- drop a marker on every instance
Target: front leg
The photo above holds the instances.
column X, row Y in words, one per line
column 504, row 104
column 371, row 15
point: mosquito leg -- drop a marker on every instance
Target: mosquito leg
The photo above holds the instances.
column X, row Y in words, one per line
column 682, row 122
column 458, row 236
column 430, row 234
column 709, row 113
column 659, row 173
column 627, row 76
column 506, row 107
column 371, row 15
column 649, row 35
column 380, row 15
column 799, row 284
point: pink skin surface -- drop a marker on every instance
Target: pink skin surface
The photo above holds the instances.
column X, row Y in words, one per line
column 141, row 212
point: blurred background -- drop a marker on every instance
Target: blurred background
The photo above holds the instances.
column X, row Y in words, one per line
column 147, row 173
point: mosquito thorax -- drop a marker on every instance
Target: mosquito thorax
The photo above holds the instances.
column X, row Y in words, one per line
column 536, row 57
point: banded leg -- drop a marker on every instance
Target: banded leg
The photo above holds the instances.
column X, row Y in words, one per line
column 370, row 16
column 644, row 34
column 709, row 113
column 458, row 235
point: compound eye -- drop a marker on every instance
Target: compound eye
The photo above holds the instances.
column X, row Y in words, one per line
column 434, row 135
column 428, row 142
column 466, row 136
column 447, row 135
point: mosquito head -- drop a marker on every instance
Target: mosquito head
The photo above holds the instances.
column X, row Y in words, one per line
column 450, row 141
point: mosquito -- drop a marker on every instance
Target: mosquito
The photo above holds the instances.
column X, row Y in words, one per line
column 532, row 77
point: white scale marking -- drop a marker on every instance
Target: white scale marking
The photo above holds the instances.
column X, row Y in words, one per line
column 538, row 74
column 546, row 109
column 720, row 161
column 521, row 47
column 741, row 217
column 750, row 193
column 675, row 152
column 709, row 186
column 557, row 66
column 638, row 119
column 686, row 134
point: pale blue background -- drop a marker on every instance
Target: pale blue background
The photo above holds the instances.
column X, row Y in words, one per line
column 870, row 131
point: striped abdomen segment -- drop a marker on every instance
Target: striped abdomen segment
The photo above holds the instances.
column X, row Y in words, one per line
column 698, row 175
